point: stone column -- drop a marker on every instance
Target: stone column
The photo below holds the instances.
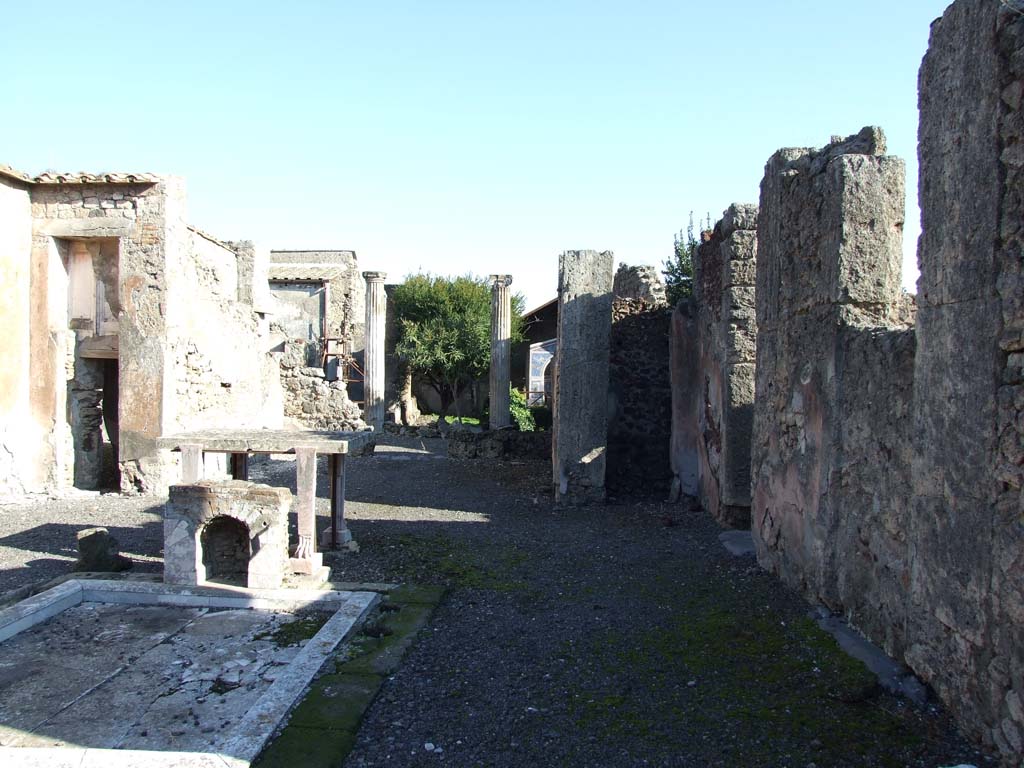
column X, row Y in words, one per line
column 373, row 385
column 501, row 350
column 580, row 437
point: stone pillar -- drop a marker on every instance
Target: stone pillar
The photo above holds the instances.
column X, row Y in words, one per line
column 501, row 350
column 581, row 375
column 376, row 313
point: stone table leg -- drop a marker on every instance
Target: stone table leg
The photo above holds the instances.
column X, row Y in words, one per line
column 191, row 464
column 306, row 560
column 240, row 466
column 338, row 535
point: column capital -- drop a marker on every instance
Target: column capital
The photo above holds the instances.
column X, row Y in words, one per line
column 501, row 280
column 375, row 277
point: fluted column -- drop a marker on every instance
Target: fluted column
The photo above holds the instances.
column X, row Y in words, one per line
column 373, row 384
column 501, row 349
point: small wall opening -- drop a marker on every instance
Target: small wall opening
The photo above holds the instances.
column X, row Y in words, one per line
column 224, row 543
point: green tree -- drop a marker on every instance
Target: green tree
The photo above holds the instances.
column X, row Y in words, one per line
column 678, row 270
column 444, row 331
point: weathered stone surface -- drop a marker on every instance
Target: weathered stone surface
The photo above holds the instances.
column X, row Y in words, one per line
column 111, row 270
column 831, row 447
column 343, row 307
column 507, row 444
column 22, row 440
column 642, row 282
column 193, row 510
column 269, row 440
column 310, row 400
column 640, row 409
column 724, row 272
column 966, row 624
column 581, row 377
column 684, row 371
column 98, row 551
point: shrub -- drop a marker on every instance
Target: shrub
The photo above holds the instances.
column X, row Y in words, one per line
column 521, row 413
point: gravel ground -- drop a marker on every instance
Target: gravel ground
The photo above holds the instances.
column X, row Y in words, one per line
column 616, row 635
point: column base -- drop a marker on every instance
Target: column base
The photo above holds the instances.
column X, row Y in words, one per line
column 307, row 565
column 344, row 539
column 314, row 580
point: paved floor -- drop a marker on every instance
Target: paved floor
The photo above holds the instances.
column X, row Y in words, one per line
column 116, row 676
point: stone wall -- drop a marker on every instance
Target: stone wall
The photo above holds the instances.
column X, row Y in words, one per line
column 218, row 349
column 641, row 282
column 684, row 374
column 829, row 455
column 223, row 373
column 640, row 408
column 724, row 275
column 346, row 291
column 887, row 459
column 147, row 219
column 22, row 438
column 310, row 400
column 122, row 296
column 965, row 630
column 506, row 444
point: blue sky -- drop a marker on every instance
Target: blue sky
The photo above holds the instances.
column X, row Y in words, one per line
column 457, row 136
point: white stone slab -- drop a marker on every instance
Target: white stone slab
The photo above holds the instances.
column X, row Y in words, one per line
column 60, row 757
column 39, row 608
column 252, row 733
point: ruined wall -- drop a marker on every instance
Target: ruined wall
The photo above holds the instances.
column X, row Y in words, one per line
column 146, row 217
column 505, row 444
column 190, row 355
column 253, row 267
column 640, row 411
column 966, row 626
column 347, row 292
column 641, row 282
column 312, row 402
column 724, row 276
column 219, row 355
column 21, row 438
column 830, row 456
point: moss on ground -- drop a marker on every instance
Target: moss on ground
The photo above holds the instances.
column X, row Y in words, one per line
column 304, row 627
column 323, row 727
column 454, row 563
column 726, row 666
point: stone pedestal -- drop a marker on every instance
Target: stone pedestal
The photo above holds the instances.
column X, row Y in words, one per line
column 373, row 384
column 501, row 350
column 261, row 510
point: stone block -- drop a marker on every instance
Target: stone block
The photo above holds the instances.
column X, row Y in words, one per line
column 98, row 551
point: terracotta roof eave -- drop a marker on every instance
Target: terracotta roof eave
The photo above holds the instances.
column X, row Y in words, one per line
column 79, row 177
